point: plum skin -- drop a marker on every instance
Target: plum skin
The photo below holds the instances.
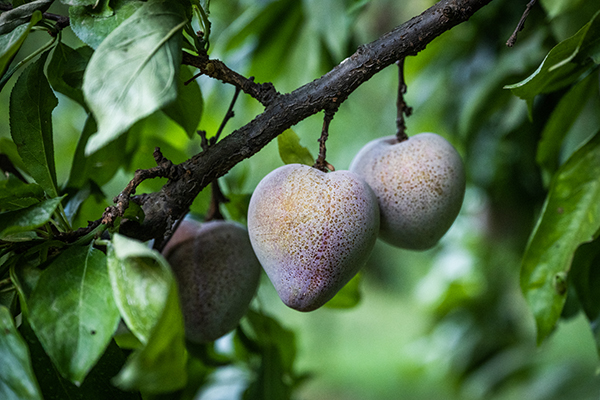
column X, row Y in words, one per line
column 217, row 275
column 420, row 186
column 312, row 231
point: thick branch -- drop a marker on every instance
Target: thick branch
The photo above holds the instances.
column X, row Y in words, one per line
column 286, row 110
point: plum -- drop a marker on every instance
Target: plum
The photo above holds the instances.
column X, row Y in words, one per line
column 217, row 275
column 420, row 186
column 312, row 231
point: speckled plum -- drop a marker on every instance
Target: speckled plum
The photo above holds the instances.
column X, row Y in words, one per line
column 217, row 274
column 312, row 231
column 420, row 186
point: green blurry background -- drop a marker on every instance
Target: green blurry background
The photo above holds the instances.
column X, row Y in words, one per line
column 447, row 323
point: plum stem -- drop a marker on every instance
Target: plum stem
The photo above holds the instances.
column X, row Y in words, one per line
column 401, row 106
column 321, row 164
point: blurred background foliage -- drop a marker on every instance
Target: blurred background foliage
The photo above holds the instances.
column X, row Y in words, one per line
column 447, row 323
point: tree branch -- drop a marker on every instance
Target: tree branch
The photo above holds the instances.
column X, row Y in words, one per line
column 284, row 111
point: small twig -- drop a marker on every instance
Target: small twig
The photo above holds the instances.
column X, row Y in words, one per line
column 401, row 106
column 513, row 38
column 265, row 93
column 229, row 114
column 61, row 21
column 164, row 169
column 321, row 164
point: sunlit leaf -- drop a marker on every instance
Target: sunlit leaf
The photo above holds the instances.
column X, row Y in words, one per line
column 570, row 217
column 186, row 110
column 93, row 24
column 561, row 120
column 11, row 19
column 134, row 71
column 65, row 70
column 564, row 64
column 349, row 296
column 31, row 105
column 11, row 41
column 17, row 381
column 160, row 366
column 72, row 311
column 291, row 151
column 141, row 280
column 29, row 218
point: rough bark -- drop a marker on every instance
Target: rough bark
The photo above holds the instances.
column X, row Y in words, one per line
column 285, row 110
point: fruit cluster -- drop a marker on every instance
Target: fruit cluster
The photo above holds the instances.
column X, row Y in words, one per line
column 312, row 231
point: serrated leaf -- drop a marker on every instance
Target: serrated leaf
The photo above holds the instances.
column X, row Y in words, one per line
column 160, row 366
column 563, row 65
column 187, row 108
column 134, row 71
column 561, row 120
column 141, row 280
column 11, row 19
column 291, row 151
column 11, row 41
column 16, row 194
column 570, row 217
column 93, row 24
column 65, row 70
column 17, row 381
column 31, row 105
column 72, row 311
column 349, row 296
column 29, row 218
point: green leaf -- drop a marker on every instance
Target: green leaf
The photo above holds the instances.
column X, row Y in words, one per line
column 134, row 71
column 11, row 41
column 160, row 366
column 585, row 276
column 186, row 110
column 97, row 384
column 8, row 147
column 16, row 194
column 17, row 381
column 31, row 105
column 29, row 218
column 141, row 280
column 11, row 19
column 290, row 150
column 65, row 70
column 561, row 120
column 563, row 65
column 93, row 24
column 349, row 296
column 25, row 277
column 101, row 165
column 277, row 348
column 80, row 2
column 72, row 311
column 237, row 206
column 570, row 217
